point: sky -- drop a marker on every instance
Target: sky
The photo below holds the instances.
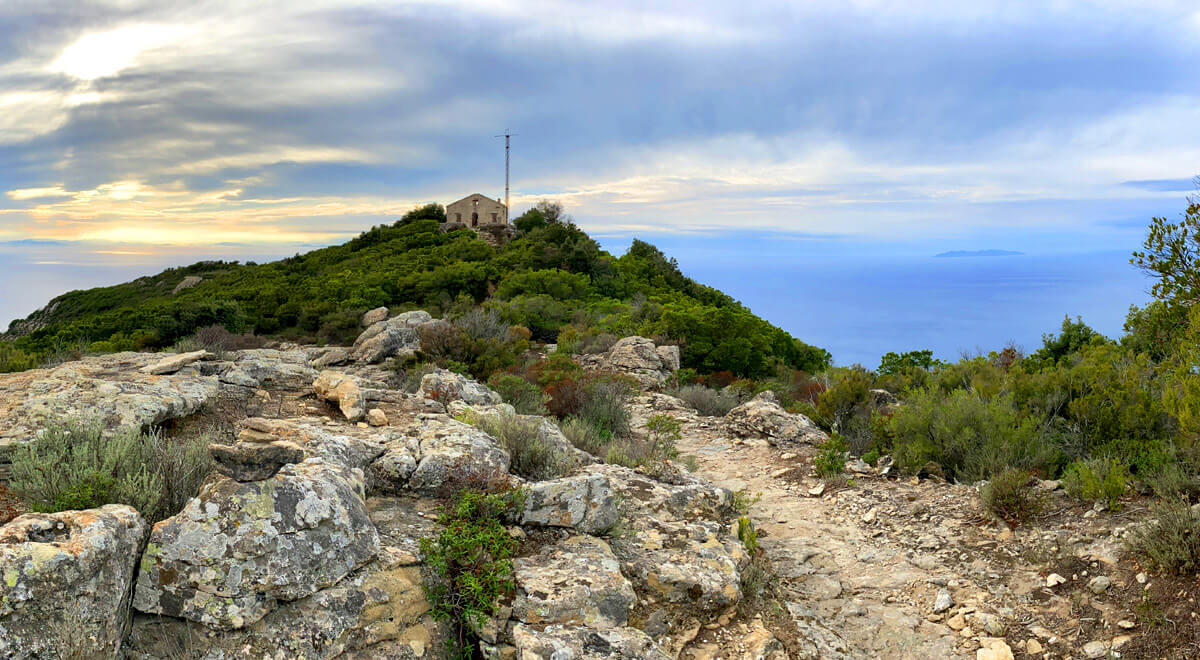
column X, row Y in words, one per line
column 136, row 135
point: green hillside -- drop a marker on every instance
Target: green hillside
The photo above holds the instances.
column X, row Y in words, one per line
column 551, row 277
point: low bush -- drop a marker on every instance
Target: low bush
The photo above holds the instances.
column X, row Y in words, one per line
column 1170, row 542
column 532, row 455
column 830, row 460
column 471, row 564
column 75, row 465
column 585, row 436
column 707, row 401
column 1097, row 479
column 603, row 405
column 521, row 394
column 15, row 359
column 1009, row 496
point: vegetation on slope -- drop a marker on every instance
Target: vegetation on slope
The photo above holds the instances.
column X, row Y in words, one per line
column 553, row 276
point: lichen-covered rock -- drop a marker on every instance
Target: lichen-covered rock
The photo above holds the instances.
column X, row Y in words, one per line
column 65, row 580
column 237, row 548
column 332, row 356
column 374, row 316
column 271, row 368
column 576, row 643
column 637, row 357
column 348, row 446
column 344, row 391
column 379, row 611
column 446, row 386
column 411, row 319
column 451, row 452
column 585, row 502
column 763, row 417
column 384, row 339
column 254, row 461
column 575, row 582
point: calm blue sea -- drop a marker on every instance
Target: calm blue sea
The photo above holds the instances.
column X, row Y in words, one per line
column 856, row 300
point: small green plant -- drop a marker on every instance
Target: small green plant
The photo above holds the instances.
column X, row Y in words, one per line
column 585, row 436
column 532, row 455
column 77, row 465
column 871, row 457
column 743, row 500
column 830, row 460
column 664, row 431
column 748, row 535
column 1009, row 496
column 1170, row 542
column 691, row 462
column 1097, row 479
column 471, row 564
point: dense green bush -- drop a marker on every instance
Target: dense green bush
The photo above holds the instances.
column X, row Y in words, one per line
column 1171, row 540
column 1009, row 496
column 521, row 394
column 471, row 564
column 75, row 465
column 830, row 461
column 604, row 406
column 1097, row 479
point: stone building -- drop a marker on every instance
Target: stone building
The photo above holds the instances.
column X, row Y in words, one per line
column 477, row 211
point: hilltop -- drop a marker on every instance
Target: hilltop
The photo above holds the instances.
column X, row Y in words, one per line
column 551, row 277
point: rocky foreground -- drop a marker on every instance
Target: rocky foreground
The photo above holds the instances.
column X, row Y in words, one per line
column 304, row 542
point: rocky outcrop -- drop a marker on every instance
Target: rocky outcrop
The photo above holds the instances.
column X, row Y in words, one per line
column 387, row 337
column 763, row 417
column 638, row 358
column 187, row 283
column 584, row 502
column 238, row 548
column 174, row 362
column 554, row 642
column 254, row 461
column 66, row 582
column 374, row 316
column 446, row 386
column 451, row 453
column 271, row 369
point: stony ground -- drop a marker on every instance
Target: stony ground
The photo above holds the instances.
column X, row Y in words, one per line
column 869, row 560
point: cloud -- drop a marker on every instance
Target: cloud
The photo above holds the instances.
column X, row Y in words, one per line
column 107, row 53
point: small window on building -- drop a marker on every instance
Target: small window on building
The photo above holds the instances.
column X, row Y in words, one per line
column 493, row 217
column 458, row 217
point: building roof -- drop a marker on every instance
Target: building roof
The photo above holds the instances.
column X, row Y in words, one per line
column 468, row 198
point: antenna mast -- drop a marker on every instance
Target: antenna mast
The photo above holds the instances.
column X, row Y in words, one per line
column 506, row 137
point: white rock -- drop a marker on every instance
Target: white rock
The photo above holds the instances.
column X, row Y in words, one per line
column 1054, row 579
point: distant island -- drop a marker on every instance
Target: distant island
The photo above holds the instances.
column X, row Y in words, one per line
column 978, row 253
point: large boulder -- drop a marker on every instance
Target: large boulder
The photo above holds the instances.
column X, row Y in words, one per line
column 451, row 453
column 638, row 358
column 575, row 582
column 174, row 362
column 383, row 340
column 763, row 417
column 238, row 548
column 271, row 369
column 66, row 582
column 445, row 386
column 374, row 316
column 584, row 502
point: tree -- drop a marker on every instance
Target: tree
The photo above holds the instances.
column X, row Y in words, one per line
column 1171, row 253
column 893, row 363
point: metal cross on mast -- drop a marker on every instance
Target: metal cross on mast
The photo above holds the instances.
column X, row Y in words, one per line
column 506, row 137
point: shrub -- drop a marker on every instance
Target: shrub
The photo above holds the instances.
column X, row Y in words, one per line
column 664, row 432
column 1171, row 542
column 471, row 564
column 603, row 405
column 532, row 455
column 848, row 396
column 585, row 436
column 707, row 401
column 1097, row 479
column 830, row 460
column 15, row 359
column 597, row 343
column 521, row 394
column 1009, row 496
column 75, row 465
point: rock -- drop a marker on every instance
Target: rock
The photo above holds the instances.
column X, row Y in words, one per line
column 943, row 602
column 577, row 643
column 991, row 623
column 254, row 461
column 1126, row 624
column 446, row 386
column 383, row 340
column 882, row 398
column 816, row 640
column 638, row 358
column 376, row 417
column 957, row 622
column 374, row 316
column 452, row 453
column 272, row 369
column 817, row 491
column 575, row 582
column 584, row 502
column 342, row 390
column 331, row 357
column 859, row 466
column 1054, row 579
column 1095, row 649
column 762, row 416
column 1099, row 584
column 173, row 363
column 1033, row 647
column 994, row 649
column 411, row 319
column 238, row 548
column 66, row 582
column 1119, row 642
column 1141, row 578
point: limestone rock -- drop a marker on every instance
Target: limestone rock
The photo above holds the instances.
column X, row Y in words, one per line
column 451, row 453
column 383, row 340
column 584, row 502
column 943, row 602
column 271, row 368
column 66, row 582
column 187, row 283
column 237, row 548
column 1099, row 584
column 172, row 363
column 376, row 417
column 575, row 582
column 560, row 642
column 446, row 386
column 762, row 416
column 342, row 390
column 374, row 316
column 331, row 357
column 637, row 357
column 254, row 461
